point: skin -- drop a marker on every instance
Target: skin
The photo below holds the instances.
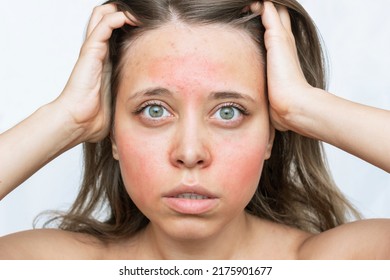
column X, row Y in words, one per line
column 305, row 113
column 81, row 114
column 191, row 145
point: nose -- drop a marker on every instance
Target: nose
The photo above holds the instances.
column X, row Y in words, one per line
column 190, row 147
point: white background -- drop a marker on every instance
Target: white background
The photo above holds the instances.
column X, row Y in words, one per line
column 39, row 45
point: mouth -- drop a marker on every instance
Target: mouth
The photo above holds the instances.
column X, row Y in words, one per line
column 193, row 200
column 195, row 192
column 191, row 196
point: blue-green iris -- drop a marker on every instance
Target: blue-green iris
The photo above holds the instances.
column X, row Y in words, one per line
column 226, row 113
column 156, row 111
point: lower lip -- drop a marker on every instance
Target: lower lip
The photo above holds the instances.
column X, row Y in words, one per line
column 191, row 206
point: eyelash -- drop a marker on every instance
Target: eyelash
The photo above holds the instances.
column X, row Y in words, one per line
column 240, row 108
column 139, row 110
column 143, row 106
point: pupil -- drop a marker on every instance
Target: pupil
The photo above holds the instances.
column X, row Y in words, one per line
column 156, row 111
column 227, row 113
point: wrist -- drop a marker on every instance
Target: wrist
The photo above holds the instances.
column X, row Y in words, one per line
column 304, row 115
column 66, row 132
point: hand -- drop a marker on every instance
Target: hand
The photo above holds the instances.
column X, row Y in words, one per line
column 86, row 97
column 286, row 82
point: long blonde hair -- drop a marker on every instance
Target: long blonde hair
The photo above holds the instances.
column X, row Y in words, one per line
column 295, row 188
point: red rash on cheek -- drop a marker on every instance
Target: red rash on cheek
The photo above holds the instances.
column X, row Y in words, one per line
column 240, row 165
column 139, row 165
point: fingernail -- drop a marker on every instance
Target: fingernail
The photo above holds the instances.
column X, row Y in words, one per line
column 256, row 7
column 132, row 19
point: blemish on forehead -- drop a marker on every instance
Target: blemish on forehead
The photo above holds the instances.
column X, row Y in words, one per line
column 181, row 71
column 193, row 61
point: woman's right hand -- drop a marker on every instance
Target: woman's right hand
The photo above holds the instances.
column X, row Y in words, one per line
column 86, row 96
column 81, row 113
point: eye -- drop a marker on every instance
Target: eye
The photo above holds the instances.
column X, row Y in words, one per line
column 229, row 113
column 153, row 111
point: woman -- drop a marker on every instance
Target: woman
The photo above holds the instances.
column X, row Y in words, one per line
column 187, row 159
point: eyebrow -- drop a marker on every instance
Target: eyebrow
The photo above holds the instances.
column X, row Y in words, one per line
column 159, row 91
column 156, row 91
column 230, row 95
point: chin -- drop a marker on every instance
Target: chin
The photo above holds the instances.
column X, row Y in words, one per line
column 190, row 228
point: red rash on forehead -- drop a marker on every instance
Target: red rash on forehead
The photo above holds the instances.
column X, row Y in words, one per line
column 188, row 59
column 182, row 72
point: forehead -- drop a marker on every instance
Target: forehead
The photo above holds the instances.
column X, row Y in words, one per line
column 180, row 56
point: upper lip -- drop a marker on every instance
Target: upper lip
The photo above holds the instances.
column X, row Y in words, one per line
column 193, row 189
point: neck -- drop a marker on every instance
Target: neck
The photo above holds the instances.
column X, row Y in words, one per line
column 227, row 243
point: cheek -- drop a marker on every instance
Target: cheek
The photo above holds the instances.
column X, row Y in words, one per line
column 241, row 165
column 141, row 162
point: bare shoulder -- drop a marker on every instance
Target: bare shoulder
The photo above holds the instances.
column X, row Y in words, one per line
column 276, row 241
column 50, row 244
column 365, row 239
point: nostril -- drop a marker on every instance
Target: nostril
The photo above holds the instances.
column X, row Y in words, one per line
column 192, row 155
column 180, row 162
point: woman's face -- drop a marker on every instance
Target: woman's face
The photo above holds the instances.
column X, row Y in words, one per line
column 191, row 127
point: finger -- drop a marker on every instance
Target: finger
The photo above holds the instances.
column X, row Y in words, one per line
column 284, row 17
column 103, row 31
column 270, row 17
column 256, row 8
column 132, row 20
column 97, row 15
column 101, row 11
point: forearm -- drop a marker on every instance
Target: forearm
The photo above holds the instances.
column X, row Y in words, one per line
column 358, row 129
column 80, row 114
column 31, row 144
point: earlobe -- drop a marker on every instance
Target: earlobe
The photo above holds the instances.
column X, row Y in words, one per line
column 270, row 142
column 114, row 148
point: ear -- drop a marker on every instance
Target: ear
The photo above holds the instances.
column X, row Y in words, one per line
column 114, row 147
column 270, row 142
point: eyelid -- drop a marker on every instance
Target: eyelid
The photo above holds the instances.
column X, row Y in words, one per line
column 148, row 103
column 141, row 113
column 240, row 115
column 141, row 108
column 239, row 107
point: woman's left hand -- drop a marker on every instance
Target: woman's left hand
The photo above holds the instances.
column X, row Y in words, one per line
column 296, row 105
column 287, row 85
